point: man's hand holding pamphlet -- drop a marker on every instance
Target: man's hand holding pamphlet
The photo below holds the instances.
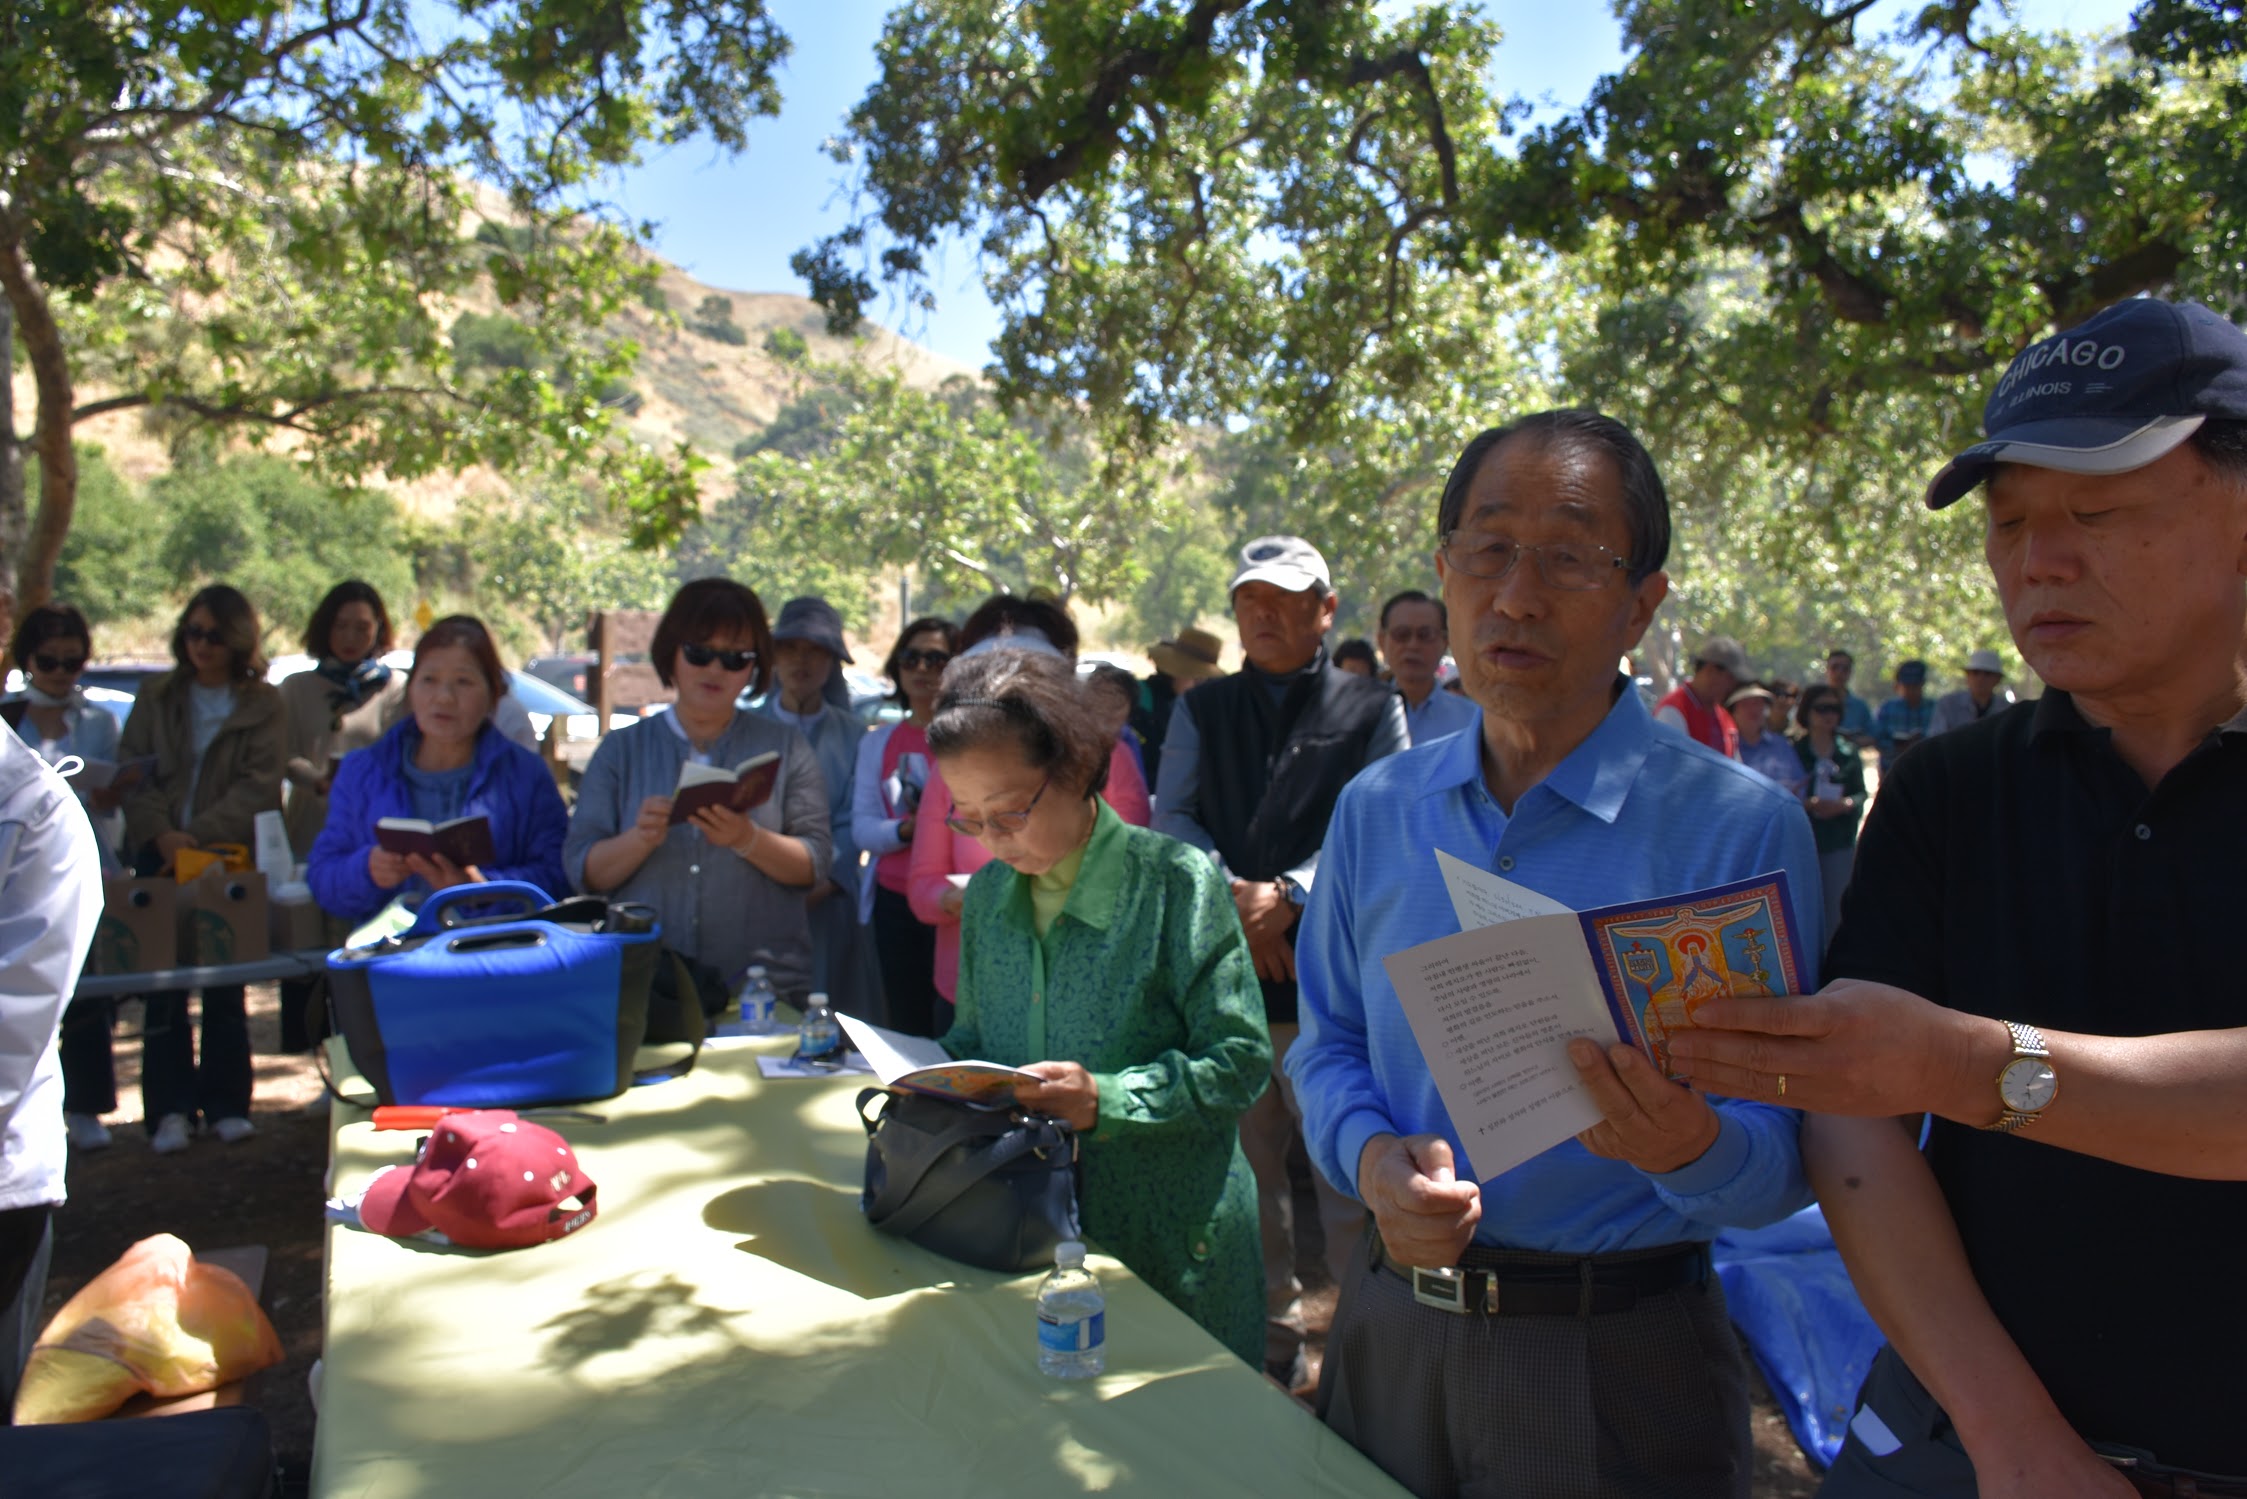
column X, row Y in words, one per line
column 1494, row 1007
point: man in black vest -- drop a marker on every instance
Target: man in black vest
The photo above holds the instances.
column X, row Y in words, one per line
column 1251, row 766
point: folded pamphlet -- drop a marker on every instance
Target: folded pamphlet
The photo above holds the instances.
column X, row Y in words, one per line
column 918, row 1063
column 1494, row 1007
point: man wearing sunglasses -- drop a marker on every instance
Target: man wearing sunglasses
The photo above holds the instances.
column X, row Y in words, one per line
column 1251, row 766
column 1581, row 1309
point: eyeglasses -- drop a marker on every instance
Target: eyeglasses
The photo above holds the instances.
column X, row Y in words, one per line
column 197, row 635
column 703, row 655
column 1574, row 566
column 1833, row 708
column 999, row 822
column 71, row 668
column 915, row 660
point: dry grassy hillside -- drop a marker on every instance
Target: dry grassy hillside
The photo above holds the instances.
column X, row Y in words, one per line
column 709, row 392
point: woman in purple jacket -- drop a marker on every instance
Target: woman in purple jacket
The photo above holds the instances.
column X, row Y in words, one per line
column 443, row 761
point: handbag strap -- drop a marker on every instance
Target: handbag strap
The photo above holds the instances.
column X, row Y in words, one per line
column 684, row 975
column 904, row 1205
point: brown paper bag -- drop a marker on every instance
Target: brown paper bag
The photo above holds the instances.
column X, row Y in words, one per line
column 223, row 919
column 139, row 927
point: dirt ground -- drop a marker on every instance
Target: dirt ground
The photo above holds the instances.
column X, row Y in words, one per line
column 270, row 1189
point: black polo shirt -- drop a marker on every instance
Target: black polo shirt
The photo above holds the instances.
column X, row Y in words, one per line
column 2018, row 868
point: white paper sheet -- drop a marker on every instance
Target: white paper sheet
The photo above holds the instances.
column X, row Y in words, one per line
column 1493, row 1009
column 1480, row 898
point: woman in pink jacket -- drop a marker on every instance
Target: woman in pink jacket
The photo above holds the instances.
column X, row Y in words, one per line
column 939, row 854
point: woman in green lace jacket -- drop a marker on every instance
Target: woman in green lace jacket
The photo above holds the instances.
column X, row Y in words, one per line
column 1108, row 960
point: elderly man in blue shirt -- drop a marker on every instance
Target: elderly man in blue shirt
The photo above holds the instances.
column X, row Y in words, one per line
column 1590, row 1354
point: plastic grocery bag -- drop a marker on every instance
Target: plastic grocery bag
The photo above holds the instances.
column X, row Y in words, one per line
column 155, row 1321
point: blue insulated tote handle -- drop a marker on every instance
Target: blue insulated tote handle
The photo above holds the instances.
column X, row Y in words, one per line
column 431, row 917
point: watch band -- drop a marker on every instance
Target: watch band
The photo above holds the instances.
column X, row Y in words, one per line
column 2028, row 1041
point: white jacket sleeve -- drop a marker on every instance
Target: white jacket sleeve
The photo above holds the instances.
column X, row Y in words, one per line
column 50, row 899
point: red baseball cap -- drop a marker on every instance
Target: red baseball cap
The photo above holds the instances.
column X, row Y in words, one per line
column 485, row 1180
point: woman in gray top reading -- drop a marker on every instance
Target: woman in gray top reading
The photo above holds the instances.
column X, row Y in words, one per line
column 728, row 886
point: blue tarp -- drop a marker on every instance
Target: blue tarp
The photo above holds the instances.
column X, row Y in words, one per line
column 1804, row 1326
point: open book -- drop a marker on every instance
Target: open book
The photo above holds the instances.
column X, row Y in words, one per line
column 745, row 787
column 1494, row 1007
column 105, row 775
column 464, row 840
column 918, row 1063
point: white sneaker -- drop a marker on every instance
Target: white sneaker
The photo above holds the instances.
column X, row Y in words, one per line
column 234, row 1130
column 87, row 1132
column 171, row 1135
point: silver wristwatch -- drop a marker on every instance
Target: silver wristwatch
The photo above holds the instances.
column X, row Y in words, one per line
column 2026, row 1085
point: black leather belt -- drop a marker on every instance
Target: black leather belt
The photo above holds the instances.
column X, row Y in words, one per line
column 1495, row 1283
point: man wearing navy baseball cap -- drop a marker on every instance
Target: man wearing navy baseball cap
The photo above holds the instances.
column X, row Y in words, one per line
column 2039, row 949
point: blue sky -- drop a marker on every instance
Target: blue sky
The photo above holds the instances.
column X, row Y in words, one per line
column 734, row 222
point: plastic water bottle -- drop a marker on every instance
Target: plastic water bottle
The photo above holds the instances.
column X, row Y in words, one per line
column 757, row 1001
column 1072, row 1318
column 819, row 1039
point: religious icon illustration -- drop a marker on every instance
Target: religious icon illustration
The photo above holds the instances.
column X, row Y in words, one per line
column 1659, row 962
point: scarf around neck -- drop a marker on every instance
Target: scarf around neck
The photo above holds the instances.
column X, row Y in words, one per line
column 352, row 682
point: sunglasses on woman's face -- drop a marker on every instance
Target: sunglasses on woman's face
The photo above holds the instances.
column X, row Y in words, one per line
column 703, row 655
column 1833, row 708
column 71, row 667
column 933, row 660
column 197, row 635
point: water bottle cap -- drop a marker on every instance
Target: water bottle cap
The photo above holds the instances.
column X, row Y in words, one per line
column 818, row 1000
column 1068, row 1254
column 756, row 970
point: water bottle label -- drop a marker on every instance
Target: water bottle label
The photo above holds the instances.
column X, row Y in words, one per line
column 1080, row 1336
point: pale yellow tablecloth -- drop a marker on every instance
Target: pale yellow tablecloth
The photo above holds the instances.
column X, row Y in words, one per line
column 730, row 1326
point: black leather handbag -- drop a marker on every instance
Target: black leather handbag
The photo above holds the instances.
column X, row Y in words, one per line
column 991, row 1187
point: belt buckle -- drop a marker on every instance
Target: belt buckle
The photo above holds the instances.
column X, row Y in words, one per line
column 1450, row 1289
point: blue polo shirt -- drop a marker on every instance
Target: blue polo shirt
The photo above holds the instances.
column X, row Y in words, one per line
column 1440, row 714
column 1635, row 812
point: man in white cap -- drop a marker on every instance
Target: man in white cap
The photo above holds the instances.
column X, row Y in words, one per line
column 1985, row 679
column 2039, row 948
column 1695, row 706
column 1251, row 766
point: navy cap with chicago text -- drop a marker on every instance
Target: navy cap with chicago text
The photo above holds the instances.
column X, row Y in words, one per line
column 2112, row 394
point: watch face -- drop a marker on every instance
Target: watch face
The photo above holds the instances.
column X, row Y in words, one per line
column 2027, row 1084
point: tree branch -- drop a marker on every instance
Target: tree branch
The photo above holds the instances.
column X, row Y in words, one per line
column 1105, row 103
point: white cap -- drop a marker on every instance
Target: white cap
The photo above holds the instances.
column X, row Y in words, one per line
column 1068, row 1253
column 1287, row 562
column 1985, row 661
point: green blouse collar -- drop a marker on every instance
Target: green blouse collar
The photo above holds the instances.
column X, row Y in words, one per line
column 1099, row 884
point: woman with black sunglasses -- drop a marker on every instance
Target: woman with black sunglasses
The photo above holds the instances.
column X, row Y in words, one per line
column 729, row 887
column 52, row 645
column 892, row 772
column 219, row 735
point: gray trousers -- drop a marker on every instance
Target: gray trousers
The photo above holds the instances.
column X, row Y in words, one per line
column 1650, row 1403
column 1268, row 1131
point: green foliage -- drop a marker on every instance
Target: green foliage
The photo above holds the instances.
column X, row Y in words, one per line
column 866, row 473
column 713, row 318
column 1792, row 251
column 248, row 215
column 497, row 342
column 112, row 567
column 273, row 529
column 787, row 346
column 556, row 555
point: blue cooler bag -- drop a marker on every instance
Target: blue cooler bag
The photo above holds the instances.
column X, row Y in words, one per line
column 544, row 1003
